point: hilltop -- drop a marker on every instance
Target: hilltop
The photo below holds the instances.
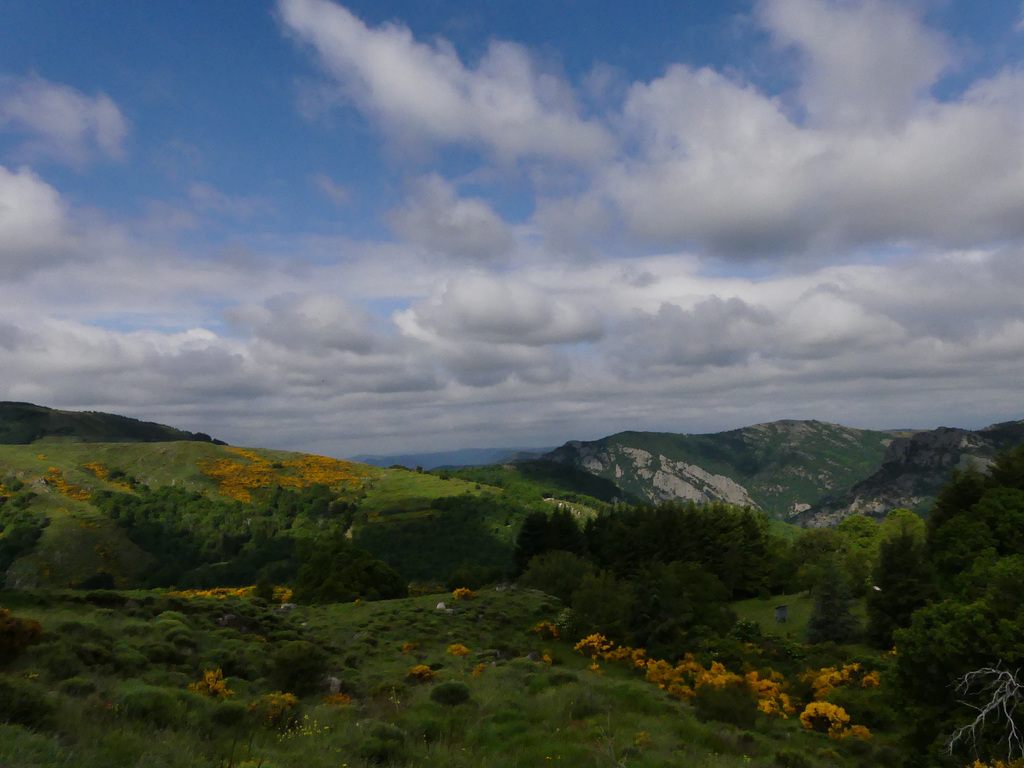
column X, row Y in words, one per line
column 24, row 423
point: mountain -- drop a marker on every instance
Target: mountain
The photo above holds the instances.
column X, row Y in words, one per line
column 24, row 423
column 783, row 467
column 464, row 457
column 913, row 470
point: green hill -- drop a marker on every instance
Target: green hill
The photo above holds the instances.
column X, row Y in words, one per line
column 781, row 467
column 24, row 423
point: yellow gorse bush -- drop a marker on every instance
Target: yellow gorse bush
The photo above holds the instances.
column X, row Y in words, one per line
column 457, row 649
column 683, row 679
column 409, row 647
column 213, row 685
column 826, row 717
column 239, row 479
column 55, row 478
column 271, row 708
column 421, row 672
column 464, row 593
column 338, row 700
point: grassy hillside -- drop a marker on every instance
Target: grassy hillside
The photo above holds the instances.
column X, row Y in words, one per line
column 59, row 491
column 390, row 683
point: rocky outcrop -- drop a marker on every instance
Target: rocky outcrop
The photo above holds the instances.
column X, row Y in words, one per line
column 913, row 471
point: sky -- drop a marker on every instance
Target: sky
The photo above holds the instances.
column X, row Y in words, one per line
column 393, row 226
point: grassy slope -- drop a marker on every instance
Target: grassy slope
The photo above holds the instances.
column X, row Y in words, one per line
column 80, row 540
column 520, row 712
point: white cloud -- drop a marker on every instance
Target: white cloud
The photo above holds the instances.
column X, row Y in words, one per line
column 422, row 91
column 436, row 218
column 34, row 231
column 866, row 64
column 61, row 122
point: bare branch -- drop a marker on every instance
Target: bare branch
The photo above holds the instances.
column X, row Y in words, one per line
column 1000, row 694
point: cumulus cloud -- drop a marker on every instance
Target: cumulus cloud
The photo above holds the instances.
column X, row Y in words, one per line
column 61, row 122
column 312, row 322
column 34, row 230
column 423, row 91
column 866, row 64
column 436, row 218
column 725, row 167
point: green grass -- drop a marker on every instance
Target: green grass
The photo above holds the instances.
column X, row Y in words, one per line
column 132, row 657
column 798, row 608
column 402, row 490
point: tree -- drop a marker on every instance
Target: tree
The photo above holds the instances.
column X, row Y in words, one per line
column 903, row 582
column 831, row 619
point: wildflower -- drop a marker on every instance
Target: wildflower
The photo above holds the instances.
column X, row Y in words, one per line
column 457, row 649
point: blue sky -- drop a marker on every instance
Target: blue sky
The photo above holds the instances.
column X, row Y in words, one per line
column 393, row 226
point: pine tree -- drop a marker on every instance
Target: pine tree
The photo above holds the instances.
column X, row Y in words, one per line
column 831, row 619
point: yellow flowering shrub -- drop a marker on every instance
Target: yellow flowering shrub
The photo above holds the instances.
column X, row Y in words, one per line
column 272, row 708
column 421, row 672
column 546, row 630
column 479, row 669
column 338, row 700
column 825, row 717
column 464, row 593
column 55, row 478
column 457, row 649
column 213, row 685
column 409, row 647
column 238, row 479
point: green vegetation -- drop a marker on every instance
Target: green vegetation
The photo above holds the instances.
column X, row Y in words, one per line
column 638, row 635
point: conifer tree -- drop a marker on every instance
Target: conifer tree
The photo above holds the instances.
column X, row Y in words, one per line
column 831, row 619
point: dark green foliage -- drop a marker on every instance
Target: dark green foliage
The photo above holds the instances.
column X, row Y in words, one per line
column 733, row 704
column 903, row 582
column 16, row 634
column 451, row 532
column 298, row 667
column 333, row 571
column 980, row 627
column 831, row 618
column 543, row 532
column 790, row 758
column 23, row 423
column 24, row 702
column 450, row 693
column 603, row 604
column 384, row 744
column 673, row 605
column 729, row 542
column 474, row 576
column 556, row 572
column 77, row 686
column 149, row 703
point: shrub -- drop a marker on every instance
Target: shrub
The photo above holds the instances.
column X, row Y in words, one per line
column 16, row 634
column 274, row 710
column 457, row 649
column 227, row 714
column 728, row 704
column 298, row 666
column 23, row 703
column 384, row 744
column 213, row 685
column 77, row 686
column 148, row 703
column 789, row 758
column 450, row 693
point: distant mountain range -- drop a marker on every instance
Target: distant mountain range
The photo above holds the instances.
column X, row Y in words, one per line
column 810, row 473
column 24, row 423
column 465, row 457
